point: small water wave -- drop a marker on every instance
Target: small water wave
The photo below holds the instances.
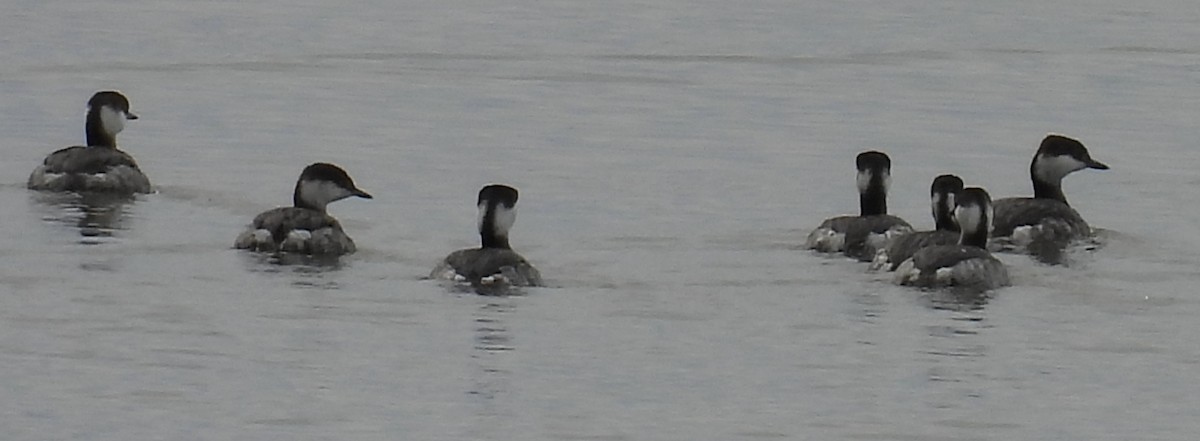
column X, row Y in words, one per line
column 1152, row 50
column 209, row 198
column 338, row 61
column 890, row 57
column 97, row 216
column 267, row 66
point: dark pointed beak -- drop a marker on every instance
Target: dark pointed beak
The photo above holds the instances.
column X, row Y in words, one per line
column 130, row 115
column 363, row 194
column 1092, row 163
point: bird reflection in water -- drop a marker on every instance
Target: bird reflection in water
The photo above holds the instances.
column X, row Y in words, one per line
column 491, row 335
column 492, row 360
column 301, row 271
column 293, row 263
column 952, row 299
column 96, row 215
column 956, row 359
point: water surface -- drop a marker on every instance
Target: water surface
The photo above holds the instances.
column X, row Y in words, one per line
column 671, row 156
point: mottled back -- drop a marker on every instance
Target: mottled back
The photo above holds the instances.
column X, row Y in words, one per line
column 906, row 245
column 477, row 263
column 1011, row 213
column 865, row 235
column 81, row 168
column 963, row 267
column 280, row 221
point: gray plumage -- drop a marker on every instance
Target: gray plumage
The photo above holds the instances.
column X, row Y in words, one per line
column 966, row 265
column 862, row 236
column 324, row 233
column 99, row 166
column 98, row 169
column 1045, row 224
column 306, row 227
column 907, row 245
column 493, row 267
column 1017, row 212
column 954, row 265
column 474, row 264
column 943, row 194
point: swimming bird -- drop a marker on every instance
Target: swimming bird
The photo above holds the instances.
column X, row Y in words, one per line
column 494, row 262
column 1045, row 224
column 942, row 195
column 99, row 166
column 305, row 227
column 965, row 265
column 863, row 235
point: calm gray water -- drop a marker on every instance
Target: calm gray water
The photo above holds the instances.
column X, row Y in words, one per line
column 671, row 157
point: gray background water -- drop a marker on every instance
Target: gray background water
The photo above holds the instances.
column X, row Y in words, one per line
column 671, row 156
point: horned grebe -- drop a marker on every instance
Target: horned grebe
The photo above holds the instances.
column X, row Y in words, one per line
column 967, row 264
column 305, row 227
column 494, row 263
column 863, row 235
column 942, row 194
column 1045, row 224
column 99, row 166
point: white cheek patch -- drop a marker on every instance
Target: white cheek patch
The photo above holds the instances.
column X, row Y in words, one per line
column 112, row 120
column 1054, row 168
column 321, row 193
column 505, row 218
column 502, row 219
column 950, row 204
column 969, row 217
